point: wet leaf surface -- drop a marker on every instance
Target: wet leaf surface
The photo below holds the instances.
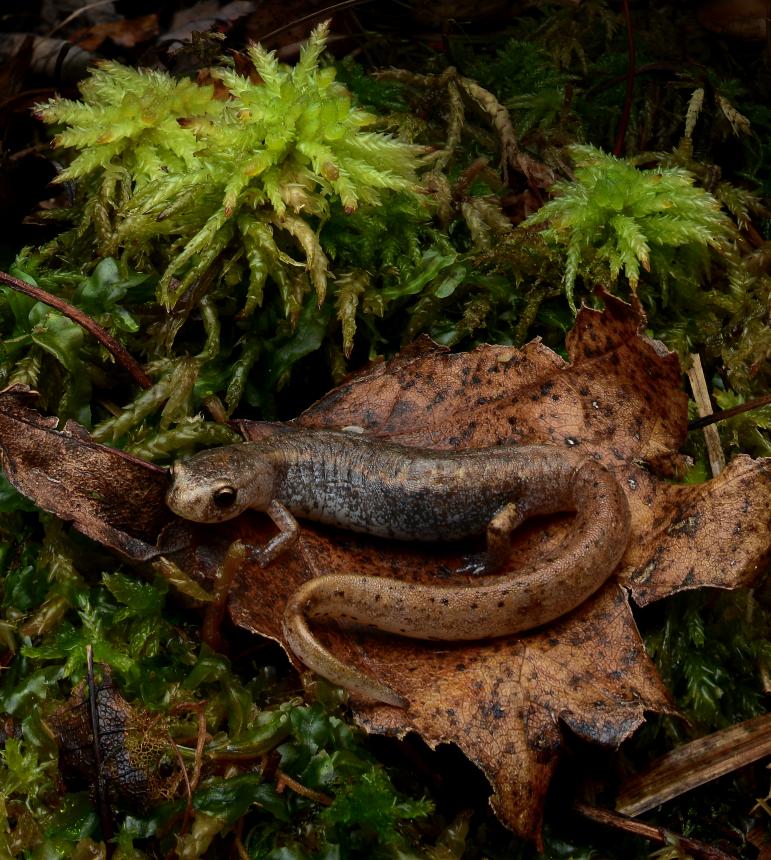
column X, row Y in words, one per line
column 505, row 702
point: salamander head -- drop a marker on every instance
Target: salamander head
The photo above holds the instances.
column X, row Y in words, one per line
column 219, row 484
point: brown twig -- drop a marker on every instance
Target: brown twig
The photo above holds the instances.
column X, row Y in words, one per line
column 76, row 14
column 701, row 396
column 724, row 414
column 243, row 854
column 630, row 76
column 199, row 746
column 191, row 783
column 117, row 350
column 188, row 790
column 659, row 835
column 694, row 764
column 283, row 779
column 325, row 12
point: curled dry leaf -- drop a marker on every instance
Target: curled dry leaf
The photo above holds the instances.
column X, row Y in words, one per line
column 137, row 761
column 110, row 496
column 505, row 702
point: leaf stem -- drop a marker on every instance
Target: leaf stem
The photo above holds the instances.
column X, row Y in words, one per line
column 714, row 417
column 659, row 835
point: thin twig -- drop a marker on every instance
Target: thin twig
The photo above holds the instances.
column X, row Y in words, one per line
column 116, row 349
column 283, row 779
column 311, row 16
column 696, row 763
column 188, row 789
column 703, row 404
column 630, row 75
column 659, row 835
column 77, row 13
column 724, row 414
column 243, row 854
column 199, row 746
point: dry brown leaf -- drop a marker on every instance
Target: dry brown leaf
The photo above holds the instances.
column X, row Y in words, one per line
column 503, row 702
column 137, row 759
column 744, row 19
column 126, row 32
column 110, row 496
column 621, row 400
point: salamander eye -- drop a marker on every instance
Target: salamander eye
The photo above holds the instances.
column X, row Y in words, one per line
column 224, row 497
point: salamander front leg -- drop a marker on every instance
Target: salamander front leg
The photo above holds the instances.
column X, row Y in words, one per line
column 288, row 532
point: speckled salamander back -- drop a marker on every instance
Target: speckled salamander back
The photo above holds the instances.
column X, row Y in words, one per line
column 539, row 479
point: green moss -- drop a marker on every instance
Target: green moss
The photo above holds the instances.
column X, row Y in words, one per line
column 174, row 171
column 614, row 219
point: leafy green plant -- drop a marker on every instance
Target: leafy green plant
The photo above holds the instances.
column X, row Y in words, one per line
column 708, row 656
column 339, row 792
column 24, row 782
column 614, row 218
column 526, row 78
column 225, row 179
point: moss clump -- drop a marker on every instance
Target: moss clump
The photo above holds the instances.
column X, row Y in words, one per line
column 202, row 177
column 614, row 218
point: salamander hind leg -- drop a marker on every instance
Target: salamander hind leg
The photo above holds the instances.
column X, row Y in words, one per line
column 505, row 520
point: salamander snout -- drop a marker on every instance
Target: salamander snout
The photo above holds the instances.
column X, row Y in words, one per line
column 218, row 484
column 203, row 498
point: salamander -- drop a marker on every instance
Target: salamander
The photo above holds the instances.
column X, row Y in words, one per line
column 407, row 493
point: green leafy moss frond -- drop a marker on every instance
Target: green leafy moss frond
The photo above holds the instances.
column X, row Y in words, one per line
column 192, row 170
column 131, row 117
column 613, row 219
column 526, row 79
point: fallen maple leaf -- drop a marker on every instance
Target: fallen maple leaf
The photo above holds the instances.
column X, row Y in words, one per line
column 503, row 702
column 136, row 756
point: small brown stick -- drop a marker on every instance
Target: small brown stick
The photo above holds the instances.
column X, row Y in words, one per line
column 722, row 415
column 696, row 763
column 117, row 350
column 660, row 835
column 76, row 14
column 188, row 789
column 284, row 780
column 199, row 746
column 324, row 12
column 192, row 784
column 630, row 75
column 243, row 854
column 703, row 404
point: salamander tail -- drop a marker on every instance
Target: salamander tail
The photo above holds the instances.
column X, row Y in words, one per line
column 315, row 656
